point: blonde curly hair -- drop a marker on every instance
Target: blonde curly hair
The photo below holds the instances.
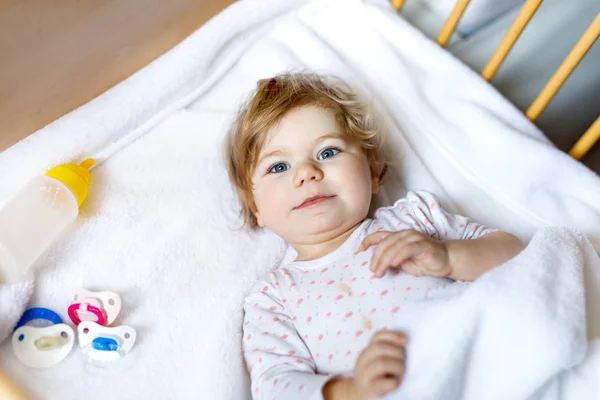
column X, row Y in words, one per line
column 272, row 99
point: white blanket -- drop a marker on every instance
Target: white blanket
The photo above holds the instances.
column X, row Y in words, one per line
column 512, row 334
column 160, row 226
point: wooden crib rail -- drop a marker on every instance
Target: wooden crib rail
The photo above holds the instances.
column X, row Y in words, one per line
column 452, row 22
column 398, row 4
column 585, row 142
column 592, row 135
column 8, row 390
column 511, row 37
column 562, row 73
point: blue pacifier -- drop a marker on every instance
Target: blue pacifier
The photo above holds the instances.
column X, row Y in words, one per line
column 42, row 347
column 103, row 344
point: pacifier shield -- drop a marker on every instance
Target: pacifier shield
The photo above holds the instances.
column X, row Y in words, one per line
column 104, row 344
column 100, row 307
column 43, row 347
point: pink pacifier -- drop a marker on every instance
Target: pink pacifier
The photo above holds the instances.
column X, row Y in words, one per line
column 99, row 307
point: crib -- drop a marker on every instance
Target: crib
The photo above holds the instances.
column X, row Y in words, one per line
column 176, row 106
column 591, row 135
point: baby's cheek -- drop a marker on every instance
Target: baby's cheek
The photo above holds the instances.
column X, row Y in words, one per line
column 358, row 186
column 272, row 203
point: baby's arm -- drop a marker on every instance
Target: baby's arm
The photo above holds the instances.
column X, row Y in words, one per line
column 469, row 259
column 279, row 362
column 421, row 255
column 423, row 239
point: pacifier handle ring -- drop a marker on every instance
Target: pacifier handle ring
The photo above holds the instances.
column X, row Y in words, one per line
column 38, row 313
column 94, row 310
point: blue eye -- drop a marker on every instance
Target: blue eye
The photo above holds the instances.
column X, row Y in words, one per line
column 327, row 153
column 279, row 167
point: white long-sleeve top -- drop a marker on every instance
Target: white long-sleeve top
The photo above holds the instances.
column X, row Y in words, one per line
column 308, row 321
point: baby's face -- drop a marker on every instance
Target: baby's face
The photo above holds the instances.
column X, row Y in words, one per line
column 310, row 184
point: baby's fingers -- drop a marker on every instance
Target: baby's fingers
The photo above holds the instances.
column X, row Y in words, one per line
column 400, row 257
column 395, row 337
column 386, row 350
column 382, row 368
column 383, row 248
column 373, row 239
column 394, row 255
column 388, row 249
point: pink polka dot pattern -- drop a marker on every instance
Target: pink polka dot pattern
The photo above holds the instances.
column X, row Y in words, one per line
column 332, row 306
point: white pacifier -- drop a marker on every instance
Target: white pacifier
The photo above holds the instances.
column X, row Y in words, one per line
column 42, row 347
column 104, row 344
column 100, row 307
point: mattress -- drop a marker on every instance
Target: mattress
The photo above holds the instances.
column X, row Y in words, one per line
column 162, row 226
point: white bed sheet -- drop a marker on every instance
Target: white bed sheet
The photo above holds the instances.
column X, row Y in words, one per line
column 160, row 224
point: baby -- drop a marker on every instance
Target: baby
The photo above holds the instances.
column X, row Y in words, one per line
column 305, row 158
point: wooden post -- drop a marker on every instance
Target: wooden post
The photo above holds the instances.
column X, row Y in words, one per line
column 398, row 4
column 8, row 390
column 585, row 143
column 511, row 37
column 562, row 73
column 452, row 22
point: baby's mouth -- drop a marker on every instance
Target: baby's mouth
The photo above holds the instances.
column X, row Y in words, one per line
column 313, row 201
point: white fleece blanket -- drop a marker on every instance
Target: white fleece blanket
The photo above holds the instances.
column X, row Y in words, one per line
column 160, row 225
column 513, row 334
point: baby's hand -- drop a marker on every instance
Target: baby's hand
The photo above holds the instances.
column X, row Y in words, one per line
column 410, row 250
column 380, row 367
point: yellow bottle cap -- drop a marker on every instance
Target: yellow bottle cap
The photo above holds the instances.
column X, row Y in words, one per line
column 75, row 177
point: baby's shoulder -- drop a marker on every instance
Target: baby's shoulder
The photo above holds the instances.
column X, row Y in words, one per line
column 415, row 202
column 417, row 210
column 412, row 200
column 269, row 283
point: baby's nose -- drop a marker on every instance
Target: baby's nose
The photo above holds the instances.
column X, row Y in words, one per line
column 307, row 172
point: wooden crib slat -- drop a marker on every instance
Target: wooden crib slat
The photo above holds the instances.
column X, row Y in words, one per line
column 8, row 390
column 511, row 37
column 452, row 22
column 562, row 73
column 398, row 4
column 585, row 143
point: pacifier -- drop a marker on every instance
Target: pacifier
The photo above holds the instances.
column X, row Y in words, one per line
column 103, row 344
column 42, row 347
column 100, row 307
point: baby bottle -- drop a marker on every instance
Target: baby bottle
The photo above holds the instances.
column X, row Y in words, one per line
column 32, row 220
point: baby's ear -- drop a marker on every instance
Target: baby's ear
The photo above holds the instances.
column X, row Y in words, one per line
column 259, row 221
column 375, row 186
column 378, row 170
